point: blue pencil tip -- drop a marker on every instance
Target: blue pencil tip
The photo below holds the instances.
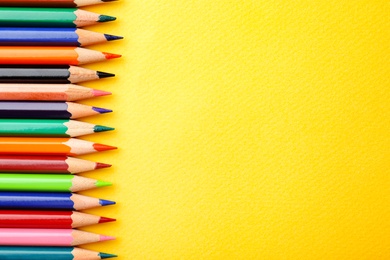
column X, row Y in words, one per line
column 106, row 202
column 101, row 110
column 104, row 255
column 110, row 37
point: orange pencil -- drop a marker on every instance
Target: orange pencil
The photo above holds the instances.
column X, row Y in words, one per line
column 27, row 55
column 49, row 146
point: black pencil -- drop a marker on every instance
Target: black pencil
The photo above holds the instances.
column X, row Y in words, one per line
column 49, row 74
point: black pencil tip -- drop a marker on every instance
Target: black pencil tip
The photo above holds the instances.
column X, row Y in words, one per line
column 106, row 18
column 110, row 37
column 103, row 75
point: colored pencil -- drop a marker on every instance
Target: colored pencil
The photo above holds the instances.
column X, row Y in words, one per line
column 50, row 253
column 49, row 74
column 48, row 92
column 47, row 164
column 48, row 237
column 48, row 128
column 48, row 182
column 49, row 200
column 48, row 110
column 26, row 36
column 52, row 3
column 49, row 146
column 49, row 17
column 39, row 55
column 48, row 219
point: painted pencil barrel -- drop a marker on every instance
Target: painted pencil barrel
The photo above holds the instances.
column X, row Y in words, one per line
column 49, row 253
column 48, row 182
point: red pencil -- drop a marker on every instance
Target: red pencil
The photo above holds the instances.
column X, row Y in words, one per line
column 48, row 219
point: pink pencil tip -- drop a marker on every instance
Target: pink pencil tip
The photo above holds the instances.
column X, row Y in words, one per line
column 99, row 93
column 106, row 238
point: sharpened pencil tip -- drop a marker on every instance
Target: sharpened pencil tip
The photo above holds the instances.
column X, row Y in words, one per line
column 102, row 128
column 109, row 0
column 106, row 18
column 106, row 238
column 110, row 37
column 105, row 220
column 103, row 147
column 110, row 56
column 102, row 165
column 100, row 93
column 105, row 255
column 103, row 75
column 101, row 110
column 100, row 183
column 106, row 202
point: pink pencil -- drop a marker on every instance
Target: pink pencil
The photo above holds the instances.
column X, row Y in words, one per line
column 48, row 237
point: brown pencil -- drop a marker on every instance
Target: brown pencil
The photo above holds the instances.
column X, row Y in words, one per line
column 48, row 92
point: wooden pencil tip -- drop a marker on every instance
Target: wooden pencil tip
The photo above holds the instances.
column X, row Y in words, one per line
column 106, row 18
column 103, row 147
column 102, row 74
column 105, row 220
column 110, row 37
column 106, row 202
column 110, row 56
column 102, row 165
column 106, row 238
column 105, row 255
column 100, row 93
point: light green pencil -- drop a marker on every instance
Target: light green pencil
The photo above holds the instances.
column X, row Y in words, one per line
column 49, row 128
column 47, row 183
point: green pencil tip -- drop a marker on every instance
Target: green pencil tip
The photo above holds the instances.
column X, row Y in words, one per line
column 106, row 18
column 104, row 255
column 100, row 183
column 102, row 128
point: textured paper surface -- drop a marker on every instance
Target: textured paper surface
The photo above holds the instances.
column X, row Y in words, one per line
column 247, row 130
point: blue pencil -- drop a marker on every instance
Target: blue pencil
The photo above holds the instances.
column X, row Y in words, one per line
column 49, row 200
column 10, row 36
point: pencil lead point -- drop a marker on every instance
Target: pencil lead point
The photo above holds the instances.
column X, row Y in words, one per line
column 106, row 238
column 100, row 93
column 106, row 202
column 110, row 56
column 105, row 220
column 100, row 183
column 102, row 128
column 102, row 165
column 102, row 74
column 103, row 147
column 109, row 0
column 106, row 18
column 110, row 37
column 101, row 110
column 105, row 255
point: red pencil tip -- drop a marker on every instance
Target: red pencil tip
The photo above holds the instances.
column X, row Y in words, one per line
column 110, row 56
column 105, row 220
column 103, row 147
column 102, row 165
column 99, row 93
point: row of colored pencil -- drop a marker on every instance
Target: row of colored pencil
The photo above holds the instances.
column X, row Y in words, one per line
column 41, row 46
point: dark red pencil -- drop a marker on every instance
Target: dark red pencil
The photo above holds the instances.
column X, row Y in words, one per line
column 47, row 164
column 48, row 219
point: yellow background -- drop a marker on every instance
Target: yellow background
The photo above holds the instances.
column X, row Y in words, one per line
column 247, row 129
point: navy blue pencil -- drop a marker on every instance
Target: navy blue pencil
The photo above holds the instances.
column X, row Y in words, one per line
column 49, row 200
column 10, row 36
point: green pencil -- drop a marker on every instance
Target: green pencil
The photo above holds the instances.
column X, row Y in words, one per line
column 49, row 253
column 49, row 17
column 50, row 128
column 47, row 182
